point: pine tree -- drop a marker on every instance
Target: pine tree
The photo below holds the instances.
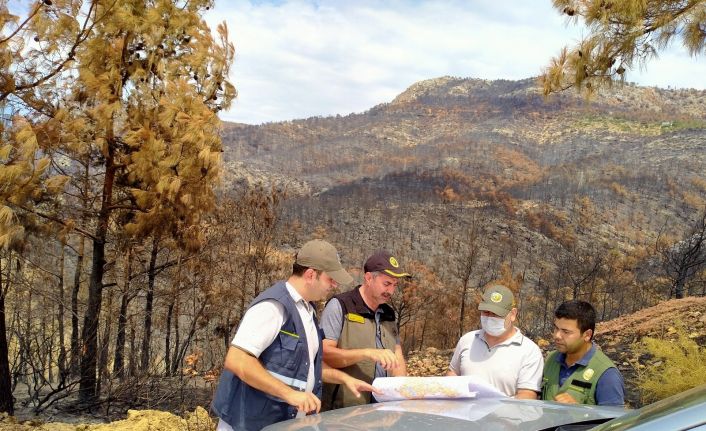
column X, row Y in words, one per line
column 135, row 106
column 624, row 34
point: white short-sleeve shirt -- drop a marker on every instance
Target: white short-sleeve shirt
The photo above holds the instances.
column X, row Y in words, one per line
column 516, row 363
column 260, row 326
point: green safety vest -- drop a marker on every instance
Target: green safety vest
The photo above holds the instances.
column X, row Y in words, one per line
column 581, row 384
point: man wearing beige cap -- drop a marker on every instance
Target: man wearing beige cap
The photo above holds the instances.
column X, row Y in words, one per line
column 273, row 370
column 498, row 352
column 360, row 330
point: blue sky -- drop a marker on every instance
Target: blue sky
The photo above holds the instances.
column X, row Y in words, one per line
column 297, row 58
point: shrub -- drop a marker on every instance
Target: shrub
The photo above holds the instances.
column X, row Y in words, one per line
column 677, row 365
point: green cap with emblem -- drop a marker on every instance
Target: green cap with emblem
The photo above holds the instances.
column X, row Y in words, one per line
column 497, row 299
column 322, row 256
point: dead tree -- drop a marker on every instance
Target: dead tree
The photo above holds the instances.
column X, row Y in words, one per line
column 683, row 260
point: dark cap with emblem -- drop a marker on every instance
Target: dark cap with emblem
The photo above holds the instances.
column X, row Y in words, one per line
column 383, row 261
column 497, row 299
column 322, row 256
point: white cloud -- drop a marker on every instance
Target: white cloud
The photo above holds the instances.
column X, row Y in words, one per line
column 297, row 58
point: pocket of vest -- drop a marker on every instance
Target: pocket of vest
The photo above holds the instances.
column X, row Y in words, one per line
column 578, row 393
column 289, row 350
column 262, row 409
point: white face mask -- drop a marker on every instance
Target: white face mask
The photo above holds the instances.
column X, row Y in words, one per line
column 494, row 326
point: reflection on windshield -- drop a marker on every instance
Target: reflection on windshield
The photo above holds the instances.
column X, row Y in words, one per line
column 657, row 410
column 501, row 415
column 445, row 415
column 353, row 419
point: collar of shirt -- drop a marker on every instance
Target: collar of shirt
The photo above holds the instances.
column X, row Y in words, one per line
column 516, row 338
column 561, row 357
column 298, row 298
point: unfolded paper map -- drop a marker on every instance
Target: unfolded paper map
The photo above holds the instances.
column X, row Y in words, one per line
column 415, row 388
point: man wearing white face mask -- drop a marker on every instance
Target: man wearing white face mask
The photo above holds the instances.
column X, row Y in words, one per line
column 498, row 352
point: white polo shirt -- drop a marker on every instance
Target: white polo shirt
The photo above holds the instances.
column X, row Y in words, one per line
column 516, row 363
column 260, row 326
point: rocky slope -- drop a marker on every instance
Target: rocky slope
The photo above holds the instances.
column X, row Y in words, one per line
column 454, row 120
column 447, row 145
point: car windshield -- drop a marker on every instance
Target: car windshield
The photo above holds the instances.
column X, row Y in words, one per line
column 451, row 415
column 683, row 411
column 689, row 405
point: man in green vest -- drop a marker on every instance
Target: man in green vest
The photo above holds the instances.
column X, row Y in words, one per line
column 578, row 372
column 360, row 331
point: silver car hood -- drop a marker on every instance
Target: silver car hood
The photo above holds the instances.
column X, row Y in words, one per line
column 450, row 415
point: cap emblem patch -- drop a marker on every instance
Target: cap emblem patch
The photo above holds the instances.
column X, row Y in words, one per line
column 496, row 297
column 394, row 262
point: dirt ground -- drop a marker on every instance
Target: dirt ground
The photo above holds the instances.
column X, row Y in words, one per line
column 616, row 337
column 137, row 420
column 143, row 404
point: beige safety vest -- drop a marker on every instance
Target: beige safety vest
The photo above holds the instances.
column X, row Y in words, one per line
column 358, row 332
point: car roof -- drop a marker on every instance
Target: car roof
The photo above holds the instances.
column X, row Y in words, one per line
column 451, row 415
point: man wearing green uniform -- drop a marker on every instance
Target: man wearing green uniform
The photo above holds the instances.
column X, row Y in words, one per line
column 578, row 372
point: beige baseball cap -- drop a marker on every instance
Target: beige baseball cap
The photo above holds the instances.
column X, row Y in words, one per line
column 322, row 256
column 497, row 299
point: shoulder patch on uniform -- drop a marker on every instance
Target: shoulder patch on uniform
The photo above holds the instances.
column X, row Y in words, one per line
column 357, row 318
column 588, row 374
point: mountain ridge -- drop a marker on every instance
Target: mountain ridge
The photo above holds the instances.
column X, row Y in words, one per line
column 559, row 184
column 450, row 108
